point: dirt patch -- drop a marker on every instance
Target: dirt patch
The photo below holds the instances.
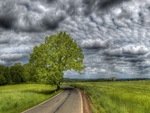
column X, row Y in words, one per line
column 86, row 103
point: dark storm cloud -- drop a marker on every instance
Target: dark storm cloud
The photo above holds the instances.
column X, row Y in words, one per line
column 50, row 1
column 8, row 15
column 4, row 41
column 89, row 6
column 29, row 16
column 51, row 20
column 7, row 21
column 104, row 4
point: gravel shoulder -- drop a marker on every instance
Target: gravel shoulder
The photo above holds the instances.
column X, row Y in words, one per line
column 86, row 103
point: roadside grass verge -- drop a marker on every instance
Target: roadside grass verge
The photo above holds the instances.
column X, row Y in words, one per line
column 17, row 98
column 118, row 97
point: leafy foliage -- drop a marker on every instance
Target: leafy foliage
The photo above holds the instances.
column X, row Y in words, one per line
column 4, row 76
column 59, row 53
column 29, row 73
column 2, row 80
column 16, row 72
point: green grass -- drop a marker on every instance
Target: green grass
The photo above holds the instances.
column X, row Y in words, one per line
column 17, row 98
column 118, row 97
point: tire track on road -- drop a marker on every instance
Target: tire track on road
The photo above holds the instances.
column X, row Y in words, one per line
column 63, row 102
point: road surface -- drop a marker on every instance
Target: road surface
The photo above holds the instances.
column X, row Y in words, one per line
column 69, row 101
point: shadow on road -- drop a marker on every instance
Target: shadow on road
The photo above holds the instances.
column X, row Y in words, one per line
column 67, row 88
column 44, row 92
column 47, row 92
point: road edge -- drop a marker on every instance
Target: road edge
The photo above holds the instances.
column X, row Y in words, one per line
column 81, row 99
column 42, row 102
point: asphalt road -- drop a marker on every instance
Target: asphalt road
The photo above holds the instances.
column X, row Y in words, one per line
column 69, row 101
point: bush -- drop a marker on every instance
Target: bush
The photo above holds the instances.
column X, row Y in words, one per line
column 2, row 80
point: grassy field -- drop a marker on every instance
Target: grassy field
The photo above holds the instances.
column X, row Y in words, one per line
column 118, row 97
column 17, row 98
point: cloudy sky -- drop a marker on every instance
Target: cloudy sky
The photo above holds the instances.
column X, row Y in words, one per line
column 114, row 34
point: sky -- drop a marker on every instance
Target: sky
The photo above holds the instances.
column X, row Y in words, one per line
column 113, row 34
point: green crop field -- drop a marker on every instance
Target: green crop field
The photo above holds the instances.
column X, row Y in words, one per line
column 16, row 98
column 118, row 97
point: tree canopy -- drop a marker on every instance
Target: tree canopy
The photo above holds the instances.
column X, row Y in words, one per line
column 57, row 54
column 13, row 74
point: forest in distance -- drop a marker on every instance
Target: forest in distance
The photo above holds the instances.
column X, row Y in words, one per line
column 17, row 74
column 26, row 73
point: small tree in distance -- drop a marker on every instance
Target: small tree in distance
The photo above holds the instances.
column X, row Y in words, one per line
column 59, row 53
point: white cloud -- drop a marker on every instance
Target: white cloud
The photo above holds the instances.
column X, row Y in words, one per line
column 128, row 50
column 10, row 59
column 2, row 62
column 14, row 57
column 95, row 43
column 19, row 49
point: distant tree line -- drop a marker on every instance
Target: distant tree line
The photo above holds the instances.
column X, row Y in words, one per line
column 17, row 74
column 105, row 79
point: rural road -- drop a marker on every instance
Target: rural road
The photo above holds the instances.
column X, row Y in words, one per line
column 69, row 101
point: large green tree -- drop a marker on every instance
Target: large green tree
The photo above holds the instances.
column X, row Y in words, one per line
column 29, row 73
column 57, row 54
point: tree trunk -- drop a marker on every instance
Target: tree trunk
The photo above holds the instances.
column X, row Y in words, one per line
column 58, row 87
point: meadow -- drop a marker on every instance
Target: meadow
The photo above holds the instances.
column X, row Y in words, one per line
column 118, row 97
column 17, row 98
